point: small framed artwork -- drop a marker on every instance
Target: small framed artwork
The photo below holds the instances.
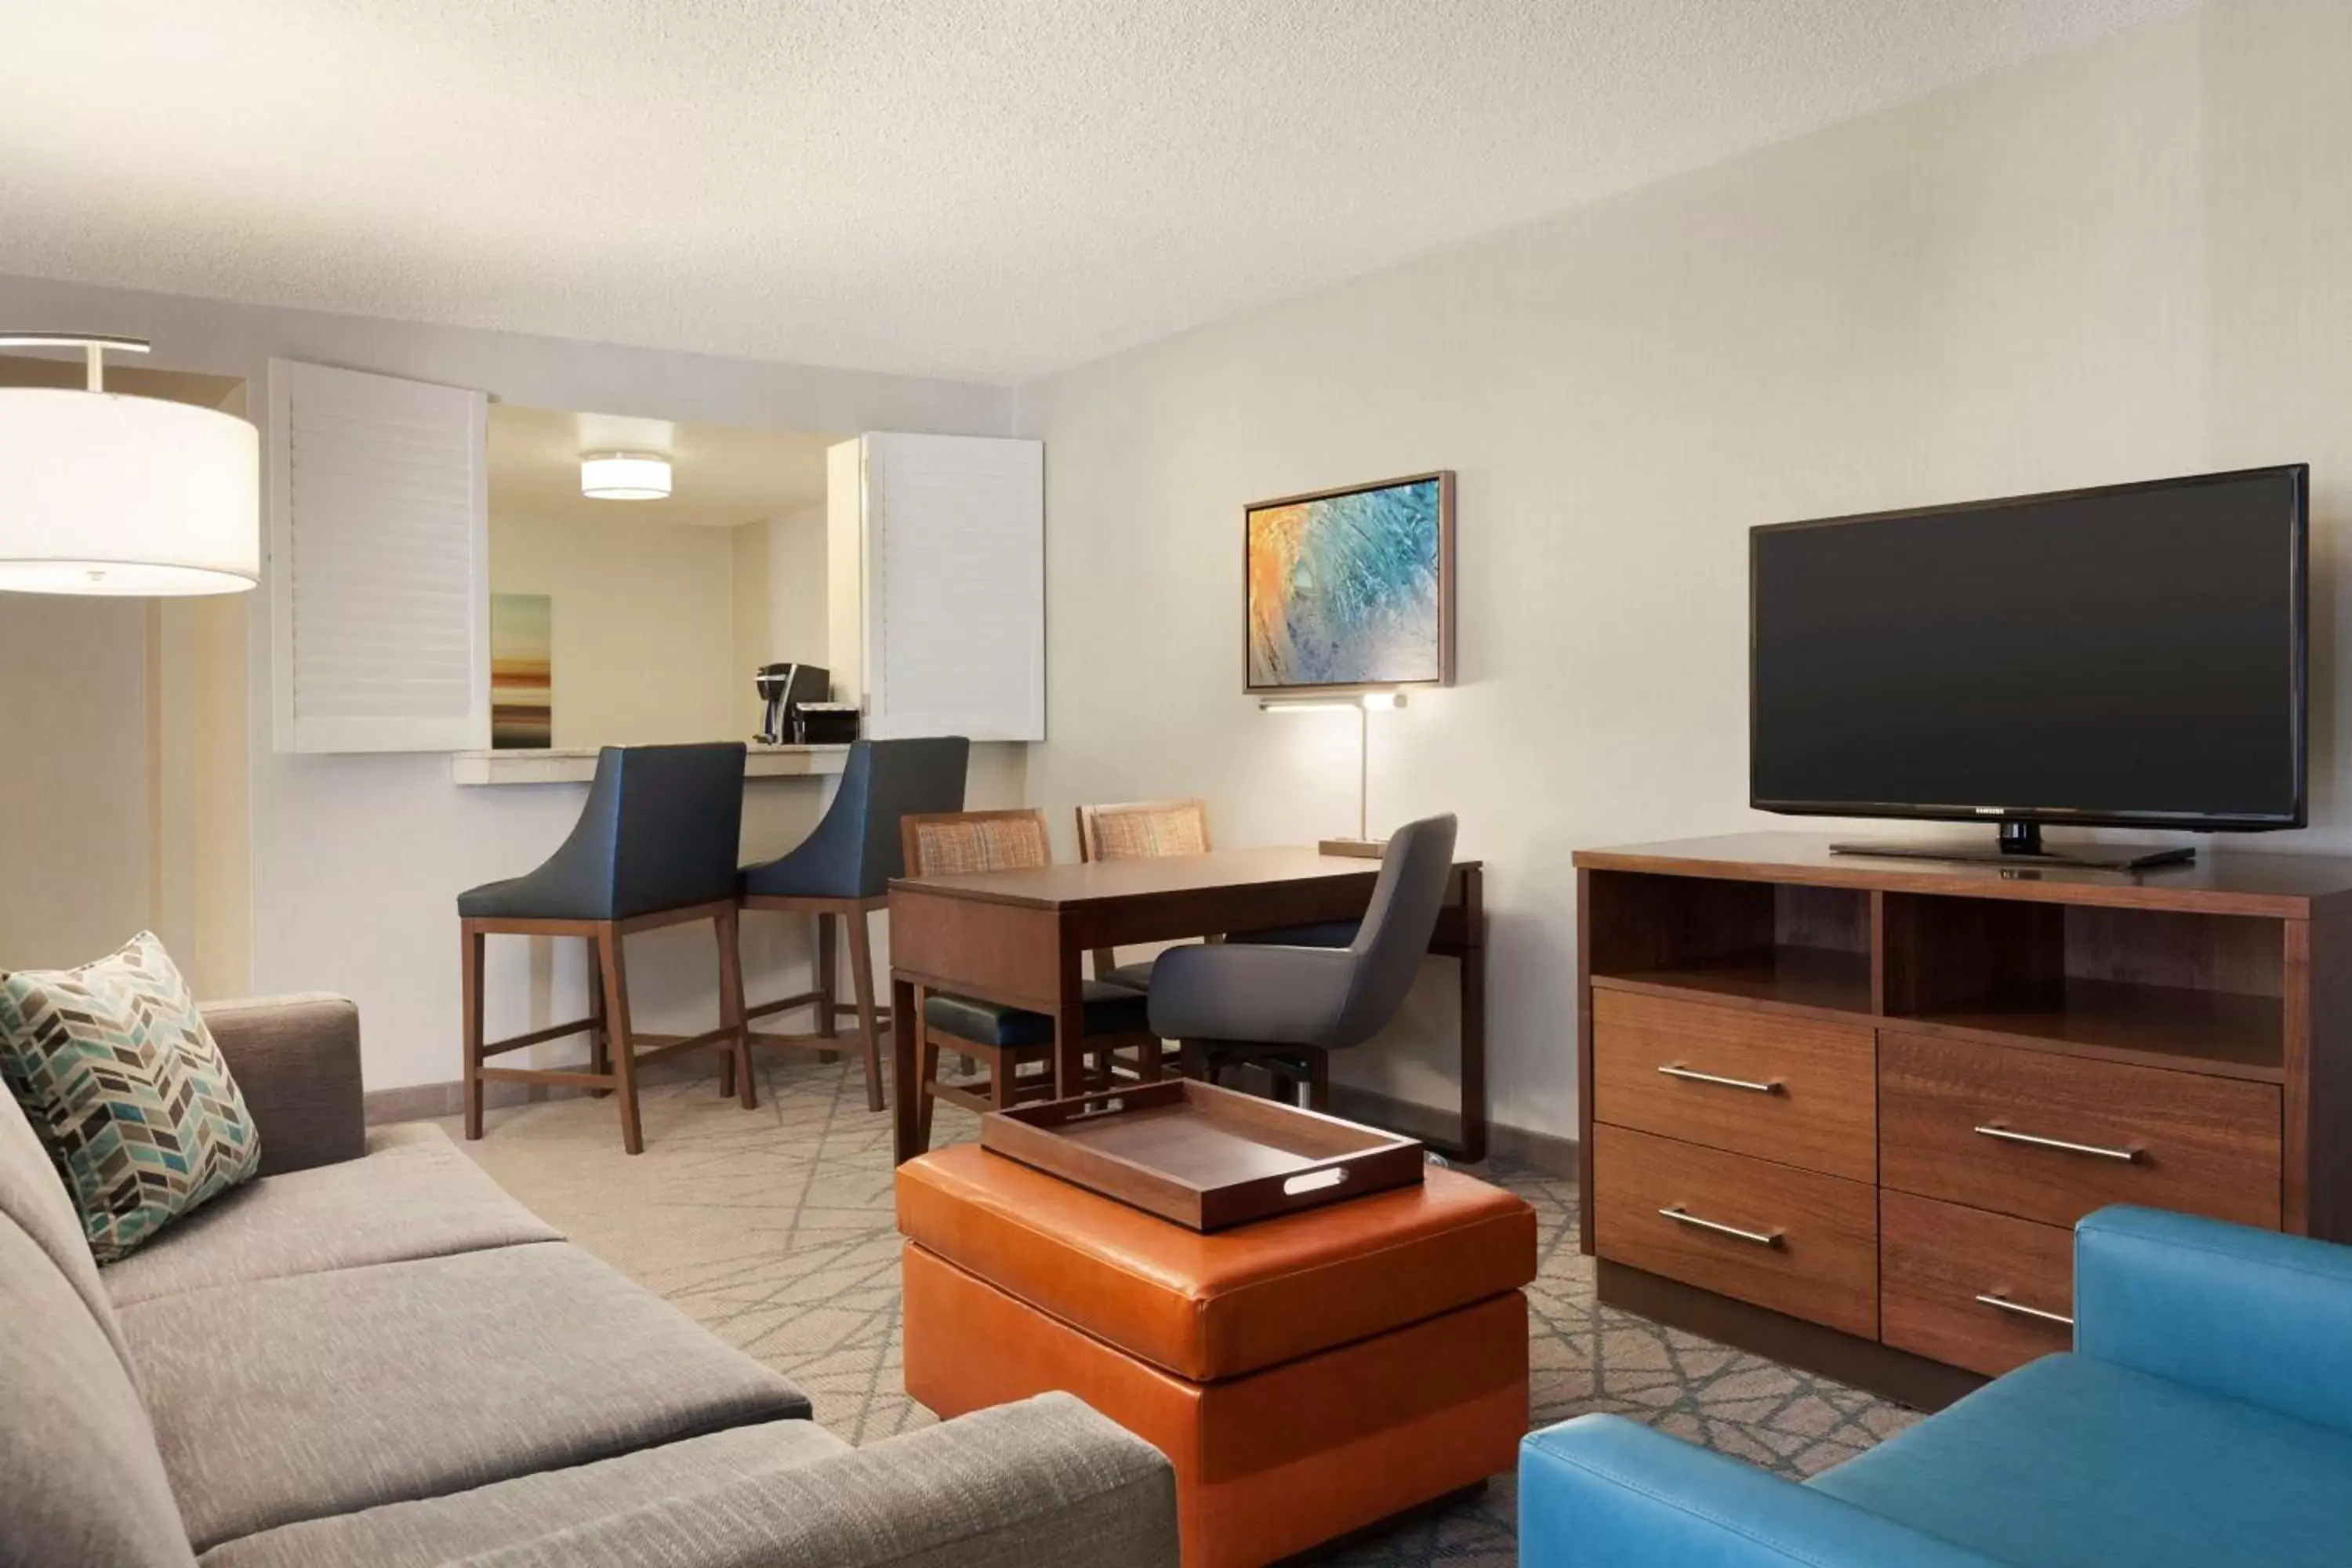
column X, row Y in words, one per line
column 522, row 672
column 1350, row 590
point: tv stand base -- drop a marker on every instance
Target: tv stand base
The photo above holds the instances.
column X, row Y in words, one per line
column 2093, row 858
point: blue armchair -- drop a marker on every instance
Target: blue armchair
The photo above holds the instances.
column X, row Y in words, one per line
column 2204, row 1417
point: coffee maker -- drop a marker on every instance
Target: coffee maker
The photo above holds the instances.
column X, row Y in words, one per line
column 786, row 688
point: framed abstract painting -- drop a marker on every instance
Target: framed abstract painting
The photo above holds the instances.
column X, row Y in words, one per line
column 1350, row 590
column 522, row 672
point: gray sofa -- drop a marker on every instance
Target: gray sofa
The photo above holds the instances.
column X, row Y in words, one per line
column 372, row 1355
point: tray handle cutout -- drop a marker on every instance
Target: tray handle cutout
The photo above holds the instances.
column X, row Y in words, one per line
column 1314, row 1181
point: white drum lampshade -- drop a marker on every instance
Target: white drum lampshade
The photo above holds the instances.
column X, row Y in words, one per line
column 101, row 493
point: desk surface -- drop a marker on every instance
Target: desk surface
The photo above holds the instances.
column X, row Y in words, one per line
column 1108, row 881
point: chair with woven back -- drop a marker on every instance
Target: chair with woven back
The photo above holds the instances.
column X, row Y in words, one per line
column 1139, row 830
column 1011, row 1041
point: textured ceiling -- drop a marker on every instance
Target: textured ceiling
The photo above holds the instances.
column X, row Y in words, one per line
column 720, row 477
column 980, row 188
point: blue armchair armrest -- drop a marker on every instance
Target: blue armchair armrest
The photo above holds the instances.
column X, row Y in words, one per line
column 2247, row 1314
column 1603, row 1490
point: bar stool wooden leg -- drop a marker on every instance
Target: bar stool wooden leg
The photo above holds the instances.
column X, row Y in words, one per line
column 470, row 993
column 1318, row 1079
column 726, row 1052
column 735, row 1073
column 600, row 1037
column 616, row 1019
column 861, row 976
column 828, row 985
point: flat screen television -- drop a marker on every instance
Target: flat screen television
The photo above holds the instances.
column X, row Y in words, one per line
column 2132, row 655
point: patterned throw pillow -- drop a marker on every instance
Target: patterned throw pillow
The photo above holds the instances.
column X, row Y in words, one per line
column 116, row 1071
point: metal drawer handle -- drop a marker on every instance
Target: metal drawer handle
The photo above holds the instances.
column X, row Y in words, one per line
column 2023, row 1310
column 1753, row 1085
column 1761, row 1238
column 1995, row 1129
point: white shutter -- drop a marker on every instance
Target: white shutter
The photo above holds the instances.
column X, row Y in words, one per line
column 955, row 586
column 379, row 531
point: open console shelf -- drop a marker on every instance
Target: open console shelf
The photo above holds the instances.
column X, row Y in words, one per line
column 2176, row 988
column 1833, row 1052
column 1758, row 942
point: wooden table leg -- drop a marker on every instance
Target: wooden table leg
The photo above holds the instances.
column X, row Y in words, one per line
column 1474, row 1019
column 1070, row 1051
column 1070, row 1027
column 905, row 1087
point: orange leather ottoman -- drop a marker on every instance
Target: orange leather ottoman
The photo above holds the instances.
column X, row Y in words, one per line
column 1307, row 1375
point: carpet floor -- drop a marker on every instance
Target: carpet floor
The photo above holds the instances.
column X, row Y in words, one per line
column 773, row 1228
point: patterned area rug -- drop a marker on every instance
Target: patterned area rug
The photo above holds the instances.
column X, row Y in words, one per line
column 773, row 1227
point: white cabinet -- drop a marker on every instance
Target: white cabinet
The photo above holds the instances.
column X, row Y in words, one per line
column 936, row 556
column 379, row 562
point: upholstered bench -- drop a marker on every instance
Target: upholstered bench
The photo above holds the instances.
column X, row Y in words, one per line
column 1308, row 1375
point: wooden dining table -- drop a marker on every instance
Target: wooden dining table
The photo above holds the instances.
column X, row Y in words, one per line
column 1020, row 938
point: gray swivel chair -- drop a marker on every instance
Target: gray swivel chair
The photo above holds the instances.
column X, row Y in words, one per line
column 655, row 846
column 1288, row 1008
column 843, row 870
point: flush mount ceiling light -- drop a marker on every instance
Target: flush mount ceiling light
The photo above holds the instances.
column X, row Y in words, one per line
column 101, row 493
column 624, row 476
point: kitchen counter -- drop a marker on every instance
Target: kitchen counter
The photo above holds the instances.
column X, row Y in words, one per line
column 578, row 765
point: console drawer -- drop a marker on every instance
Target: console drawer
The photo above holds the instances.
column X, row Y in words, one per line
column 1792, row 1089
column 1811, row 1242
column 1937, row 1262
column 2048, row 1137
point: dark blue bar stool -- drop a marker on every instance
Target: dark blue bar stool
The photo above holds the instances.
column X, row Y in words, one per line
column 843, row 870
column 655, row 846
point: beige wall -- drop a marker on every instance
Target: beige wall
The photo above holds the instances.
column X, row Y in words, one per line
column 201, row 884
column 2130, row 261
column 641, row 625
column 75, row 833
column 122, row 794
column 779, row 600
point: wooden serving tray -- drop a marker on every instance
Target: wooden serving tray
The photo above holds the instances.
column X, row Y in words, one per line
column 1204, row 1157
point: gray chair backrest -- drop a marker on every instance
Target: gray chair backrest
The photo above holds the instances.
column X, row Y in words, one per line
column 1396, row 928
column 662, row 827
